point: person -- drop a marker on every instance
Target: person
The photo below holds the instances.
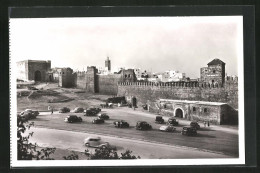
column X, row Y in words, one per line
column 208, row 123
column 205, row 123
column 51, row 110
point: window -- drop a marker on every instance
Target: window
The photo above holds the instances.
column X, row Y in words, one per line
column 62, row 72
column 205, row 110
column 126, row 76
column 194, row 109
column 214, row 71
column 129, row 75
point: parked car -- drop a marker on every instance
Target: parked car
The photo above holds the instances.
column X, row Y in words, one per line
column 143, row 125
column 121, row 124
column 28, row 114
column 72, row 119
column 172, row 121
column 30, row 111
column 189, row 131
column 96, row 110
column 64, row 110
column 159, row 119
column 167, row 128
column 98, row 121
column 103, row 116
column 195, row 125
column 90, row 113
column 78, row 110
column 95, row 142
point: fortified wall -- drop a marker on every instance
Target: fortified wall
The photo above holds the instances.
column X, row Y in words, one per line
column 149, row 91
column 104, row 84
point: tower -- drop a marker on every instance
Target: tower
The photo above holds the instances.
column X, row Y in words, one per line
column 108, row 64
column 214, row 73
column 91, row 79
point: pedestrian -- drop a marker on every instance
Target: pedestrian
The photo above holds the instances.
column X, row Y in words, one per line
column 208, row 123
column 205, row 124
column 134, row 108
column 51, row 110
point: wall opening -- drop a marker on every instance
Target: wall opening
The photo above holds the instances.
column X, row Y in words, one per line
column 37, row 75
column 179, row 113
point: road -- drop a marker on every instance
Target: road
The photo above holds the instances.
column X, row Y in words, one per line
column 69, row 140
column 214, row 138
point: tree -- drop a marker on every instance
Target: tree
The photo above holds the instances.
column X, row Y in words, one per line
column 107, row 153
column 27, row 150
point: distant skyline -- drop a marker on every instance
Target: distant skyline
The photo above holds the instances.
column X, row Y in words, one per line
column 159, row 44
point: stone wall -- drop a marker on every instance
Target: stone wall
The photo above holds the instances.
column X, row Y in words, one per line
column 81, row 80
column 67, row 79
column 107, row 84
column 145, row 91
column 22, row 70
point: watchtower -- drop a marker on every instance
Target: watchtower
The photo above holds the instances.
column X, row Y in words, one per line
column 214, row 73
column 91, row 79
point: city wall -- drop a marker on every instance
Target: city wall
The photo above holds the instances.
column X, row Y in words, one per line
column 81, row 80
column 145, row 91
column 107, row 84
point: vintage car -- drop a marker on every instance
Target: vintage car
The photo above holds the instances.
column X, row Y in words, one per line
column 172, row 121
column 97, row 121
column 195, row 125
column 167, row 128
column 103, row 116
column 95, row 142
column 78, row 110
column 64, row 110
column 121, row 124
column 96, row 110
column 189, row 131
column 143, row 125
column 72, row 119
column 90, row 113
column 28, row 114
column 159, row 120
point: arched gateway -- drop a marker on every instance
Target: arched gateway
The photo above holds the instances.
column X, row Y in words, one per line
column 179, row 113
column 37, row 76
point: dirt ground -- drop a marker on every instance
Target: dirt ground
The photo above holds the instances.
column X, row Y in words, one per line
column 51, row 95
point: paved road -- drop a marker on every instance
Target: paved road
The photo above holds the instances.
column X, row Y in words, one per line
column 214, row 138
column 147, row 150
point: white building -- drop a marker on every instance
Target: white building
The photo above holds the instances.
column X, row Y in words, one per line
column 172, row 76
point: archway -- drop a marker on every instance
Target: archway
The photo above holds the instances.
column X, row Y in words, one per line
column 179, row 113
column 37, row 76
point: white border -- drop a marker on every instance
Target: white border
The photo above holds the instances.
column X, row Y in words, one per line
column 143, row 162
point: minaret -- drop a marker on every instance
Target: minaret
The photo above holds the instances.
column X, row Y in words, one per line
column 108, row 64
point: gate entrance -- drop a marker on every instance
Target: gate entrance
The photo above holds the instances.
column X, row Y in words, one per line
column 179, row 113
column 37, row 76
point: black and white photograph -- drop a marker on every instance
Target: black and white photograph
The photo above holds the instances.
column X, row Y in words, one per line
column 127, row 91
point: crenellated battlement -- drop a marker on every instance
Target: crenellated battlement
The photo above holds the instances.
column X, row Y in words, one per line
column 172, row 84
column 231, row 79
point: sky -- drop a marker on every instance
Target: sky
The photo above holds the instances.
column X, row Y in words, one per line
column 154, row 44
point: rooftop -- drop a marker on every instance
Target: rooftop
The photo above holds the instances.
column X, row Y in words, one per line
column 216, row 62
column 195, row 102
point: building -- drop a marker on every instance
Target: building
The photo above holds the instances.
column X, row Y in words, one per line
column 213, row 112
column 35, row 70
column 171, row 76
column 214, row 74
